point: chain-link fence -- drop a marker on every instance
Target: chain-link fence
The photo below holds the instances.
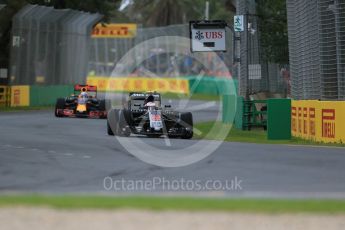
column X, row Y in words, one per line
column 263, row 76
column 164, row 59
column 257, row 75
column 50, row 46
column 317, row 45
column 303, row 47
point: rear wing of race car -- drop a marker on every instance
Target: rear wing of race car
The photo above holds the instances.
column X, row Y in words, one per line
column 84, row 88
column 140, row 95
column 137, row 100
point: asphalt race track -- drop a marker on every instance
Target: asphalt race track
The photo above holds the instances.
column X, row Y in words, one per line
column 41, row 153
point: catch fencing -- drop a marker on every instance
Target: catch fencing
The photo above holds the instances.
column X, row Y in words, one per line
column 164, row 58
column 54, row 47
column 50, row 46
column 257, row 75
column 317, row 48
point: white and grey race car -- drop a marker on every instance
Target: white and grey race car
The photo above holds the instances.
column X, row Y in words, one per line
column 144, row 115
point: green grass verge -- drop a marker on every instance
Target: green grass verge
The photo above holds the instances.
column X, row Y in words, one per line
column 177, row 203
column 253, row 136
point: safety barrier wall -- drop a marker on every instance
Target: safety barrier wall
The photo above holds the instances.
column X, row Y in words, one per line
column 125, row 84
column 185, row 85
column 47, row 95
column 20, row 95
column 25, row 95
column 278, row 119
column 212, row 85
column 4, row 95
column 321, row 121
column 229, row 103
column 239, row 113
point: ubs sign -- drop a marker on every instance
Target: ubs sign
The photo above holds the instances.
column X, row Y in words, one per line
column 207, row 36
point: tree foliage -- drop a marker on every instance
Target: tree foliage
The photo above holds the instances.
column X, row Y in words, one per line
column 104, row 7
column 167, row 12
column 6, row 14
column 273, row 30
column 145, row 12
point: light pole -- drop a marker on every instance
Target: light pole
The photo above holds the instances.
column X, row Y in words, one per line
column 249, row 31
column 247, row 54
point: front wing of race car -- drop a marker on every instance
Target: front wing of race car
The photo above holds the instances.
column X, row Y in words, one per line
column 125, row 122
column 87, row 114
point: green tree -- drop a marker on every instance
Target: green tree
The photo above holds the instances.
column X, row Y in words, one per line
column 104, row 7
column 163, row 12
column 6, row 14
column 145, row 12
column 222, row 10
column 167, row 12
column 273, row 30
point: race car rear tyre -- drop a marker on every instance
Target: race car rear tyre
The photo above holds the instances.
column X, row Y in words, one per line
column 187, row 124
column 60, row 104
column 104, row 106
column 107, row 104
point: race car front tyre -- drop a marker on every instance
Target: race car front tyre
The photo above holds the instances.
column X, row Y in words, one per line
column 117, row 124
column 123, row 128
column 112, row 122
column 104, row 105
column 60, row 105
column 187, row 134
column 109, row 130
column 187, row 124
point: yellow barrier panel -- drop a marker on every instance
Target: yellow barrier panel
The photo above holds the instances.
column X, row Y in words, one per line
column 132, row 84
column 114, row 30
column 20, row 95
column 4, row 95
column 318, row 120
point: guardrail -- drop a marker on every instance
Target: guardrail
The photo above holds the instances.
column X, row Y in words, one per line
column 273, row 115
column 253, row 114
column 5, row 95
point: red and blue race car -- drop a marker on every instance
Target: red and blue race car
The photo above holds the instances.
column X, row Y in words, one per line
column 83, row 103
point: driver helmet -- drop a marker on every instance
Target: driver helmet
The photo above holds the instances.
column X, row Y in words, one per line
column 150, row 98
column 84, row 95
column 149, row 101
